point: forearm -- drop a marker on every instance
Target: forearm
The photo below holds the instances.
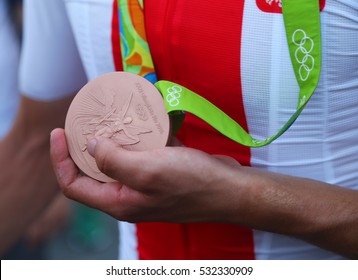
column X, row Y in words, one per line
column 27, row 186
column 322, row 214
column 27, row 183
column 184, row 185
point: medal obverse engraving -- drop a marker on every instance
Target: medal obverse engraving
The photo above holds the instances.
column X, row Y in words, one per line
column 122, row 107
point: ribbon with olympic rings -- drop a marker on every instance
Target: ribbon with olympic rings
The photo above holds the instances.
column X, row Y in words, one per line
column 304, row 41
column 302, row 54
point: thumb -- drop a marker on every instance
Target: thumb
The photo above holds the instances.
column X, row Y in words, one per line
column 117, row 162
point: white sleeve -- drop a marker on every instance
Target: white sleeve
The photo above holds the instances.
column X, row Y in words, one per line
column 50, row 66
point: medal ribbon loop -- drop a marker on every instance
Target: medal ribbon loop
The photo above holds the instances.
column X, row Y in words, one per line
column 302, row 25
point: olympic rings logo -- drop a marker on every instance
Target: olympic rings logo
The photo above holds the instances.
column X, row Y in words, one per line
column 173, row 95
column 302, row 54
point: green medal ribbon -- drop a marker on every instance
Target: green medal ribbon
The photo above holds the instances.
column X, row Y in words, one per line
column 302, row 24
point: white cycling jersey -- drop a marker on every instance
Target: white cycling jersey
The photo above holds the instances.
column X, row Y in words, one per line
column 321, row 144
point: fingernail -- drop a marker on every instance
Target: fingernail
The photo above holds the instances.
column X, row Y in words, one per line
column 91, row 146
column 51, row 133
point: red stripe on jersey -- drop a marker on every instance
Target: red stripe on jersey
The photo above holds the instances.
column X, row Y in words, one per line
column 149, row 235
column 116, row 47
column 161, row 241
column 203, row 55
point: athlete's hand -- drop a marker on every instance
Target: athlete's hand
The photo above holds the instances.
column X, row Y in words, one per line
column 175, row 184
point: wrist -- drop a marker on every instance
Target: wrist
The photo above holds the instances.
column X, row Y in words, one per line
column 230, row 192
